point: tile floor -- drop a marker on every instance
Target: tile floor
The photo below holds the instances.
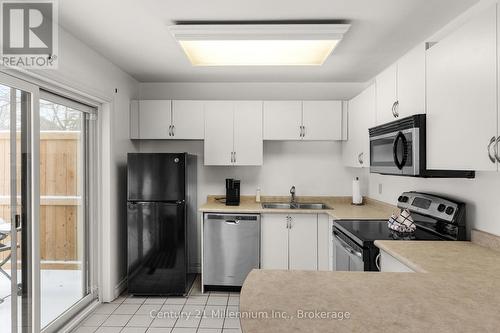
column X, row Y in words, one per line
column 212, row 312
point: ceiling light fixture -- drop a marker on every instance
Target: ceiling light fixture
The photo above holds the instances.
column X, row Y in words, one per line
column 258, row 45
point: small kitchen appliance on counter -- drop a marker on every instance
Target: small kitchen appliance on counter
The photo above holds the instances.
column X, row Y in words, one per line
column 232, row 192
column 436, row 218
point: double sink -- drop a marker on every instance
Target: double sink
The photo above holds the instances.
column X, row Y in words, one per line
column 294, row 205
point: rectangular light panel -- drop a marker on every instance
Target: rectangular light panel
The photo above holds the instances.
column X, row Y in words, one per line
column 257, row 52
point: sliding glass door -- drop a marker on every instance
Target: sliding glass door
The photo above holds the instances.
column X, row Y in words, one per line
column 17, row 105
column 47, row 207
column 64, row 217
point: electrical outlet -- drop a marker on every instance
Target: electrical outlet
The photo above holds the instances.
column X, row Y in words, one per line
column 379, row 188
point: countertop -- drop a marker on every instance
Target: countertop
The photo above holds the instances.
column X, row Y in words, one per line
column 341, row 207
column 456, row 289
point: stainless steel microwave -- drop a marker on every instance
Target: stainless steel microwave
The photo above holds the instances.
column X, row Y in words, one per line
column 399, row 148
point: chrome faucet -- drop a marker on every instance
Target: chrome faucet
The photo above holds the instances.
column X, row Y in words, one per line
column 292, row 192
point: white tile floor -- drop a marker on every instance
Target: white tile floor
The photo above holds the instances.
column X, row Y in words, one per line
column 214, row 312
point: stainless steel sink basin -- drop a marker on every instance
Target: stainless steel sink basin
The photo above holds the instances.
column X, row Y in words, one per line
column 283, row 205
column 312, row 206
column 277, row 205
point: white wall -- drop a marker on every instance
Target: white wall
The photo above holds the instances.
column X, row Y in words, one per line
column 84, row 70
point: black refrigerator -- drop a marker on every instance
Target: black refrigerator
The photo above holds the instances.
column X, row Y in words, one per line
column 161, row 205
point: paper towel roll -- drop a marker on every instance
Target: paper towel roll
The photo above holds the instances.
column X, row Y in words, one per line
column 357, row 199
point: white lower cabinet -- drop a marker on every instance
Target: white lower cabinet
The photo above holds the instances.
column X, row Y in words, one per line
column 274, row 241
column 390, row 264
column 293, row 241
column 303, row 242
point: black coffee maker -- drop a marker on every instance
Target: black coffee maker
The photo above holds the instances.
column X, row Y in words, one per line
column 232, row 192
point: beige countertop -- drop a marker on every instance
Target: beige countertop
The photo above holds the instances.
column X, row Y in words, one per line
column 456, row 289
column 341, row 207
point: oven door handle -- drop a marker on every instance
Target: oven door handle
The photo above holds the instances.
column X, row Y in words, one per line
column 348, row 248
column 400, row 137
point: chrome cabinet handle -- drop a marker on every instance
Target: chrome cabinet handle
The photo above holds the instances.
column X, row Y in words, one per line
column 232, row 159
column 303, row 131
column 360, row 158
column 396, row 109
column 170, row 130
column 490, row 155
column 497, row 149
column 377, row 261
column 173, row 130
column 393, row 112
column 234, row 154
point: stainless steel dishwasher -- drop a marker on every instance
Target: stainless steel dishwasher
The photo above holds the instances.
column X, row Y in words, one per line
column 231, row 248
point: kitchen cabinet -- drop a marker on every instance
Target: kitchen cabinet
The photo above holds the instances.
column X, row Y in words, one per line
column 188, row 120
column 166, row 119
column 324, row 242
column 360, row 117
column 282, row 120
column 462, row 90
column 274, row 241
column 322, row 120
column 233, row 133
column 289, row 241
column 302, row 120
column 401, row 87
column 150, row 119
column 303, row 242
column 388, row 263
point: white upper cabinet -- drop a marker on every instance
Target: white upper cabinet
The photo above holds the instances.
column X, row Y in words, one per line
column 303, row 120
column 386, row 94
column 462, row 96
column 282, row 120
column 219, row 133
column 188, row 121
column 360, row 117
column 322, row 120
column 401, row 87
column 154, row 119
column 166, row 119
column 248, row 144
column 233, row 133
column 411, row 83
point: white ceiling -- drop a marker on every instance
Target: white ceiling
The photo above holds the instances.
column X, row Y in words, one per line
column 133, row 34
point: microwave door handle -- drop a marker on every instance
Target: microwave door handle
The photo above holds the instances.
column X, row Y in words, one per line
column 400, row 137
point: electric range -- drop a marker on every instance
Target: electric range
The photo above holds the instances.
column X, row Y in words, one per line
column 436, row 217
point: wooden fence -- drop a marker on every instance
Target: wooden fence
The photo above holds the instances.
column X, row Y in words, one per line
column 60, row 191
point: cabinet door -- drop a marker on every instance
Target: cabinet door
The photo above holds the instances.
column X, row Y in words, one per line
column 462, row 96
column 361, row 116
column 154, row 119
column 411, row 82
column 134, row 120
column 248, row 144
column 322, row 120
column 282, row 120
column 303, row 242
column 324, row 243
column 273, row 241
column 188, row 120
column 218, row 132
column 386, row 94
